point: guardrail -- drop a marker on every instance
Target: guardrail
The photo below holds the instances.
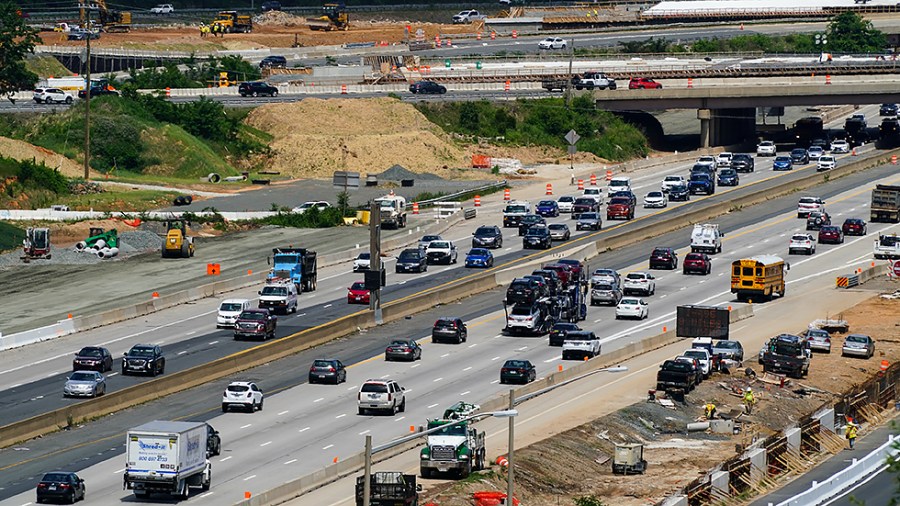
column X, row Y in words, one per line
column 460, row 195
column 875, row 461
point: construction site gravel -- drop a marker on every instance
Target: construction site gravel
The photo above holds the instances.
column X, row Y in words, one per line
column 576, row 463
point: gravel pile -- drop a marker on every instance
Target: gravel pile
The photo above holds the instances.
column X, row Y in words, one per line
column 130, row 243
column 399, row 172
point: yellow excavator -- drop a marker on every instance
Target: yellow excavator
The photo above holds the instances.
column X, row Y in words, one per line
column 110, row 20
column 335, row 17
column 177, row 244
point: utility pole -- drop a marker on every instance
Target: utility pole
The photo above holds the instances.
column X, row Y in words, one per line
column 375, row 259
column 509, row 474
column 367, row 484
column 569, row 80
column 87, row 91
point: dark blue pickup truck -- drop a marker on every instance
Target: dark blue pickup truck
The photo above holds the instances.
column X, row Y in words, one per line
column 702, row 183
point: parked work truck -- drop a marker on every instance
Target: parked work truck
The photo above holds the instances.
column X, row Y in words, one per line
column 787, row 353
column 167, row 457
column 389, row 488
column 675, row 375
column 296, row 264
column 885, row 205
column 458, row 447
column 393, row 211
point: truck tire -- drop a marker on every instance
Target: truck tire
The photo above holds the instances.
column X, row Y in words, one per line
column 612, row 85
column 185, row 250
column 425, row 472
column 466, row 471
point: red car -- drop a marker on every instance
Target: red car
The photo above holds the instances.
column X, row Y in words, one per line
column 563, row 271
column 854, row 226
column 640, row 83
column 619, row 207
column 699, row 263
column 831, row 234
column 357, row 293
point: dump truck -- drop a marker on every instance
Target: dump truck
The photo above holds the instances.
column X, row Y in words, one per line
column 167, row 457
column 36, row 244
column 458, row 447
column 334, row 17
column 389, row 488
column 232, row 22
column 296, row 264
column 885, row 205
column 177, row 243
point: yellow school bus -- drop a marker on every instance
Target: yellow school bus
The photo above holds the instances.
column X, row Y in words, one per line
column 758, row 277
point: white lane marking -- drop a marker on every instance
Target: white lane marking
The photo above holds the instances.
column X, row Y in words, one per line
column 212, row 343
column 119, row 471
column 402, row 282
column 304, row 429
column 245, row 426
column 508, row 249
column 19, row 384
column 385, row 376
column 301, row 314
column 436, row 380
column 290, row 461
column 473, row 345
column 353, row 387
column 398, row 419
column 250, row 477
column 523, row 348
column 191, row 333
column 363, row 433
column 433, row 405
column 495, row 358
column 702, row 281
column 415, row 365
column 327, row 447
column 342, row 415
column 495, row 381
column 445, row 355
column 857, row 259
column 682, row 288
column 320, row 399
column 129, row 336
column 467, row 368
column 182, row 352
column 327, row 305
column 267, row 443
column 663, row 296
column 466, row 392
column 226, row 458
column 283, row 412
column 598, row 320
column 554, row 359
column 110, row 375
column 721, row 274
column 206, row 494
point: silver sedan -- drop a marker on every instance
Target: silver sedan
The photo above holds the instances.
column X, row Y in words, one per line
column 559, row 232
column 85, row 384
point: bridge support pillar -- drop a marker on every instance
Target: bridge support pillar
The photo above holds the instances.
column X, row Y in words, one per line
column 722, row 127
column 704, row 116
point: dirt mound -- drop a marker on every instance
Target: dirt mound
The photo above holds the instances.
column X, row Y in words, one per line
column 315, row 137
column 279, row 18
column 20, row 150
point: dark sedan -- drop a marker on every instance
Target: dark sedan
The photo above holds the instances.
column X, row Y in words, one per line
column 327, row 370
column 427, row 87
column 403, row 349
column 799, row 156
column 517, row 371
column 679, row 193
column 411, row 260
column 729, row 177
column 530, row 220
column 831, row 234
column 742, row 162
column 60, row 486
column 854, row 226
column 559, row 331
column 93, row 358
column 782, row 163
column 487, row 236
column 537, row 237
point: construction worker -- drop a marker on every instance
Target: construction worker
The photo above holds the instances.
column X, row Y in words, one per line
column 710, row 410
column 851, row 430
column 749, row 400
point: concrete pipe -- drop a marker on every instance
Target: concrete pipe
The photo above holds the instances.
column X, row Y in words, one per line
column 100, row 244
column 79, row 246
column 697, row 426
column 107, row 252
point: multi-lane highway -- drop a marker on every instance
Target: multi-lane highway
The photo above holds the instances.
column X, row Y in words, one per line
column 316, row 419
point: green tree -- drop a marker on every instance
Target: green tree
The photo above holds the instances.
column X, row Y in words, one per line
column 469, row 118
column 848, row 32
column 17, row 40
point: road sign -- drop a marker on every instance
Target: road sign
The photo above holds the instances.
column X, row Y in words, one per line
column 345, row 180
column 896, row 268
column 572, row 137
column 572, row 150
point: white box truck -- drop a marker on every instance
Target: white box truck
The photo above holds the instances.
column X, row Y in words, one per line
column 166, row 457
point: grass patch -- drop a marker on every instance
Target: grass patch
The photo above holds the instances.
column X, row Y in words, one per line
column 46, row 66
column 178, row 154
column 115, row 201
column 11, row 237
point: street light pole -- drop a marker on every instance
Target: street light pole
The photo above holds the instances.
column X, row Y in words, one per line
column 87, row 93
column 509, row 475
column 375, row 258
column 367, row 485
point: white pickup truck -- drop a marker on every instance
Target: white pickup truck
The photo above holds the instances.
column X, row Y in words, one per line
column 887, row 246
column 591, row 80
column 703, row 357
column 578, row 344
column 467, row 17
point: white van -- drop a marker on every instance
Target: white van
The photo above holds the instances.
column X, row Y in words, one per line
column 279, row 296
column 619, row 184
column 228, row 312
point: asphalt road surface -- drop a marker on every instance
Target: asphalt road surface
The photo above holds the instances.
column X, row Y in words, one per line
column 305, row 426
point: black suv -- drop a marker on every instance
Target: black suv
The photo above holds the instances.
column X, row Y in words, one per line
column 144, row 359
column 530, row 220
column 273, row 61
column 98, row 91
column 523, row 291
column 427, row 87
column 93, row 358
column 487, row 236
column 213, row 442
column 888, row 110
column 537, row 237
column 679, row 193
column 257, row 88
column 551, row 278
column 271, row 5
column 448, row 328
column 412, row 260
column 663, row 258
column 743, row 162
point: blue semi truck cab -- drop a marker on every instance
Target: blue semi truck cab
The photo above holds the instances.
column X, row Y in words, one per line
column 296, row 264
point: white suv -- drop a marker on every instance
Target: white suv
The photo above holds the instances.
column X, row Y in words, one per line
column 51, row 96
column 639, row 282
column 802, row 243
column 807, row 205
column 766, row 148
column 381, row 395
column 162, row 9
column 242, row 394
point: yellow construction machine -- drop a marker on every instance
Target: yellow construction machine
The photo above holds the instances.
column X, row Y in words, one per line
column 110, row 20
column 177, row 244
column 335, row 17
column 232, row 22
